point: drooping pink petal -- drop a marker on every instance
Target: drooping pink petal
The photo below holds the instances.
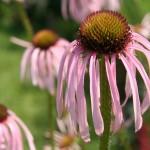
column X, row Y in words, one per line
column 74, row 10
column 64, row 8
column 136, row 100
column 41, row 70
column 42, row 64
column 27, row 133
column 98, row 78
column 143, row 74
column 81, row 101
column 13, row 136
column 115, row 96
column 56, row 55
column 113, row 66
column 25, row 61
column 142, row 40
column 59, row 96
column 34, row 66
column 95, row 101
column 145, row 104
column 141, row 48
column 128, row 91
column 74, row 51
column 14, row 128
column 2, row 138
column 70, row 100
column 50, row 73
column 7, row 136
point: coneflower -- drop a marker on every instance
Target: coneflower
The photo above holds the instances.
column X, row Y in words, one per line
column 41, row 58
column 11, row 128
column 103, row 35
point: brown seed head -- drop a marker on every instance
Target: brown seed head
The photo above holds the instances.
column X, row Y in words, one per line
column 44, row 39
column 105, row 32
column 66, row 141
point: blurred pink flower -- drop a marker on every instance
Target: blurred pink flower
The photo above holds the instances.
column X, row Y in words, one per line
column 65, row 137
column 79, row 9
column 41, row 58
column 11, row 128
column 113, row 40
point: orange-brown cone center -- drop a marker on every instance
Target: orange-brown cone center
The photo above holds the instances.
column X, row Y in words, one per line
column 105, row 32
column 44, row 39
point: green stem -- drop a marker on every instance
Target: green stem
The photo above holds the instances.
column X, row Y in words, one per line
column 51, row 118
column 25, row 19
column 105, row 106
column 82, row 145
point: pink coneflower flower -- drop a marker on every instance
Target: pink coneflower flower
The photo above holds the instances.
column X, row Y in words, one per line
column 79, row 9
column 41, row 58
column 11, row 128
column 103, row 34
column 64, row 139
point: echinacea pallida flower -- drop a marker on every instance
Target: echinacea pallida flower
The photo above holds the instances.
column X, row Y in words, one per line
column 79, row 9
column 11, row 127
column 41, row 58
column 65, row 137
column 103, row 34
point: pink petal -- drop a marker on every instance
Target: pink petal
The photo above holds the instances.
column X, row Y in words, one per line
column 26, row 131
column 59, row 96
column 145, row 104
column 2, row 137
column 98, row 78
column 141, row 48
column 34, row 66
column 143, row 74
column 115, row 96
column 145, row 51
column 128, row 90
column 70, row 91
column 113, row 66
column 95, row 101
column 42, row 64
column 50, row 73
column 25, row 61
column 62, row 43
column 13, row 135
column 16, row 132
column 41, row 70
column 136, row 100
column 74, row 51
column 7, row 136
column 64, row 8
column 142, row 40
column 81, row 101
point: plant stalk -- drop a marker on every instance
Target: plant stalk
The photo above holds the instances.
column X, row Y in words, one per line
column 105, row 106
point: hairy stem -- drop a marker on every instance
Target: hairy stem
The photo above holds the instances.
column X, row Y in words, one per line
column 105, row 106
